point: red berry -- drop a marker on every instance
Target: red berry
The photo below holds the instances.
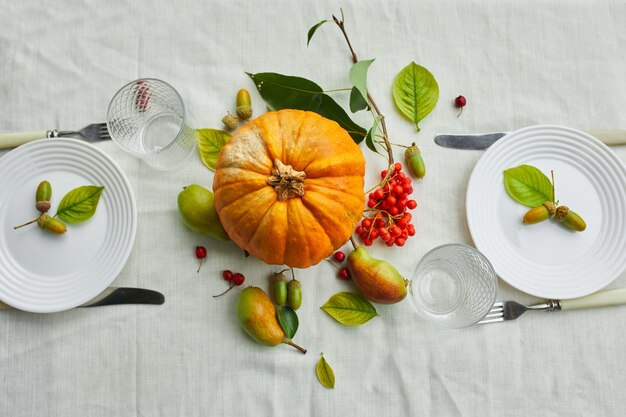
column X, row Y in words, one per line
column 410, row 230
column 344, row 274
column 395, row 231
column 227, row 275
column 407, row 217
column 359, row 229
column 373, row 234
column 390, row 242
column 460, row 101
column 200, row 252
column 394, row 211
column 397, row 166
column 379, row 223
column 411, row 204
column 379, row 194
column 371, row 203
column 366, row 223
column 401, row 224
column 401, row 204
column 401, row 175
column 407, row 189
column 238, row 279
column 391, row 200
column 397, row 190
column 367, row 242
column 383, row 173
column 400, row 241
column 405, row 234
column 339, row 256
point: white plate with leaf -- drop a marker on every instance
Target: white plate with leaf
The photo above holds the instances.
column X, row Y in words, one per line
column 44, row 272
column 547, row 259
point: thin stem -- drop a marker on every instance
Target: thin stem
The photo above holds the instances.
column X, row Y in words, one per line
column 229, row 288
column 337, row 89
column 293, row 276
column 333, row 264
column 199, row 266
column 290, row 343
column 354, row 245
column 459, row 113
column 25, row 224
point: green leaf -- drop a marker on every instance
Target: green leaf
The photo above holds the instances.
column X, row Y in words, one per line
column 358, row 76
column 357, row 102
column 312, row 31
column 287, row 92
column 288, row 320
column 349, row 308
column 415, row 92
column 371, row 134
column 210, row 142
column 325, row 373
column 528, row 185
column 79, row 204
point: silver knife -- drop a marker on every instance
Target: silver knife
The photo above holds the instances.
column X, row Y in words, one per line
column 611, row 137
column 118, row 295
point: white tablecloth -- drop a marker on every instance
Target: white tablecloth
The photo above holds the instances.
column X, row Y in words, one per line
column 518, row 64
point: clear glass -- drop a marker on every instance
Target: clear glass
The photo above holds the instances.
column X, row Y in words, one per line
column 453, row 285
column 147, row 118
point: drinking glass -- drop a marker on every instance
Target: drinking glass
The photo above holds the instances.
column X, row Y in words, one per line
column 147, row 118
column 453, row 285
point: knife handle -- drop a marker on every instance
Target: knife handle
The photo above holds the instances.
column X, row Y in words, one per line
column 611, row 137
column 604, row 298
column 12, row 140
column 123, row 295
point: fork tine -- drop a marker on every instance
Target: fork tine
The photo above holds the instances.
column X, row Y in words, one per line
column 494, row 315
column 487, row 321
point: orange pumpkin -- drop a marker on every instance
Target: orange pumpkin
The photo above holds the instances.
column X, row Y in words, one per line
column 289, row 187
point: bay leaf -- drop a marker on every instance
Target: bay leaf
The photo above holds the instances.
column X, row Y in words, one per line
column 415, row 92
column 288, row 320
column 528, row 185
column 288, row 92
column 358, row 76
column 349, row 308
column 313, row 30
column 79, row 204
column 210, row 142
column 325, row 373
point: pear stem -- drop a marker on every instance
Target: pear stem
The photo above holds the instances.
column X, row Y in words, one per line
column 353, row 243
column 25, row 224
column 290, row 343
column 229, row 288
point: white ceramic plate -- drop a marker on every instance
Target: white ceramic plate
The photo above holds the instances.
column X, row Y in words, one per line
column 42, row 272
column 546, row 259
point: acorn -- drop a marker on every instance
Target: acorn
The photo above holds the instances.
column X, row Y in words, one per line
column 230, row 122
column 540, row 213
column 244, row 104
column 42, row 196
column 51, row 224
column 570, row 219
column 279, row 288
column 414, row 160
column 294, row 294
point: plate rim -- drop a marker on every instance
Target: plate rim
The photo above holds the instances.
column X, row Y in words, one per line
column 504, row 142
column 133, row 220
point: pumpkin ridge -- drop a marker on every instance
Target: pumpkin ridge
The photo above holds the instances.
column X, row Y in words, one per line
column 306, row 207
column 258, row 230
column 243, row 216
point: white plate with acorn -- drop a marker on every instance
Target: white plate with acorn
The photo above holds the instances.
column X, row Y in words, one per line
column 46, row 272
column 548, row 259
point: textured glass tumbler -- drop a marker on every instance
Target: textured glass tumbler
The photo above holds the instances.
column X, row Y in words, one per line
column 147, row 119
column 453, row 285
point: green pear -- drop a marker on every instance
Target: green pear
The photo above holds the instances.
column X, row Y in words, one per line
column 197, row 209
column 376, row 280
column 257, row 317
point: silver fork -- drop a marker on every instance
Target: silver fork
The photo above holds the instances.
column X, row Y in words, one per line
column 94, row 132
column 510, row 310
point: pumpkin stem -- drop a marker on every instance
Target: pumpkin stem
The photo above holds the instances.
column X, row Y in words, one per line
column 287, row 182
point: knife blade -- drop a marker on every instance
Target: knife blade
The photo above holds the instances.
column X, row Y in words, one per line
column 611, row 137
column 118, row 295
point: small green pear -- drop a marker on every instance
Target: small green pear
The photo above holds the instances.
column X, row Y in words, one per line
column 197, row 209
column 257, row 317
column 376, row 280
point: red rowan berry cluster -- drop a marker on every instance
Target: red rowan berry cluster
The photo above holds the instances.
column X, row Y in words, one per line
column 387, row 215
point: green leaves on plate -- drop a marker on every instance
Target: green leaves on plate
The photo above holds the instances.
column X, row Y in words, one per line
column 349, row 308
column 210, row 142
column 528, row 185
column 288, row 92
column 288, row 320
column 79, row 204
column 325, row 373
column 415, row 92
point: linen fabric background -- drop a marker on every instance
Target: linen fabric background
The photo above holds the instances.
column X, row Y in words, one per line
column 518, row 64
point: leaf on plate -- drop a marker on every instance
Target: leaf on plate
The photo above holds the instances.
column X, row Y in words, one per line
column 415, row 92
column 288, row 320
column 288, row 92
column 325, row 373
column 313, row 30
column 357, row 102
column 210, row 142
column 349, row 308
column 79, row 204
column 528, row 185
column 358, row 76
